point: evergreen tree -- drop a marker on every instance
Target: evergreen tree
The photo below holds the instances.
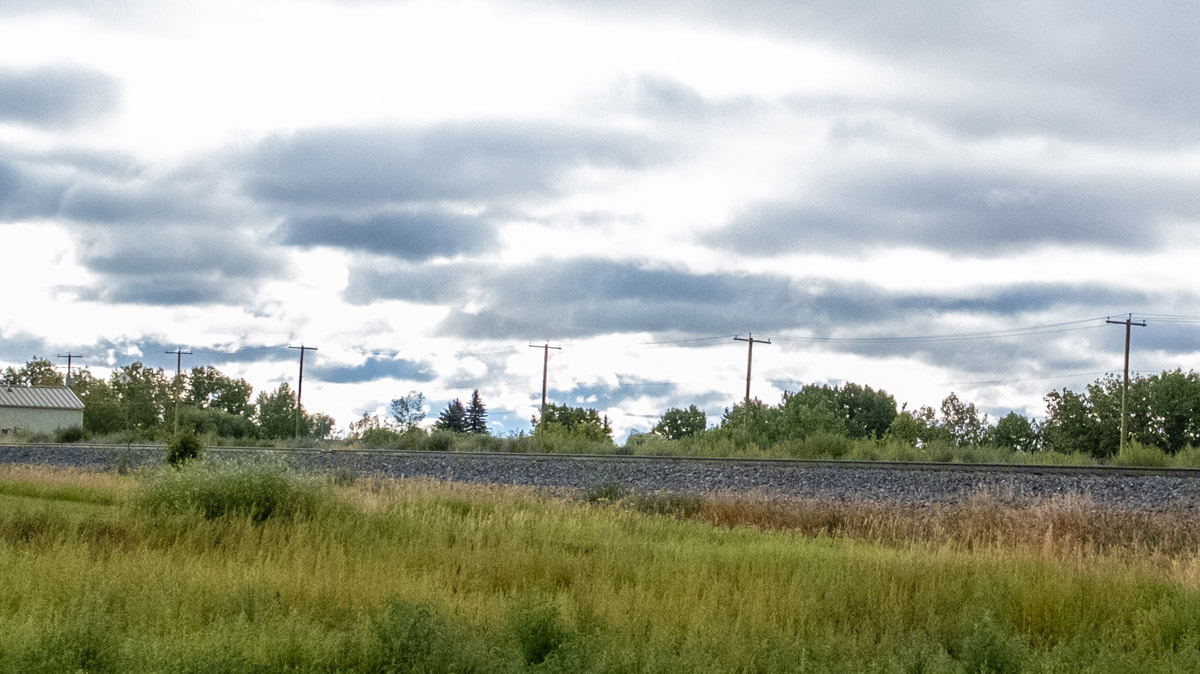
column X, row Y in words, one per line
column 477, row 415
column 454, row 418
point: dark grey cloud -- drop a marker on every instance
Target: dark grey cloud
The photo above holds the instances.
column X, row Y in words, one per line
column 123, row 205
column 56, row 97
column 166, row 266
column 23, row 194
column 412, row 236
column 374, row 368
column 112, row 189
column 585, row 297
column 357, row 168
column 588, row 297
column 969, row 211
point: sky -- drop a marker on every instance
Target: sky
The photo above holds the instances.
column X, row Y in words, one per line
column 924, row 197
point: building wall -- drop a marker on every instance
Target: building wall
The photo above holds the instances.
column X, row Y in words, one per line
column 38, row 420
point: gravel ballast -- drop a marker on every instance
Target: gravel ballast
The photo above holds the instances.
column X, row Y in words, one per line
column 913, row 487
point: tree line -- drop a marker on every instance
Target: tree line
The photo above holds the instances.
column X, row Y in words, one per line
column 1162, row 410
column 150, row 404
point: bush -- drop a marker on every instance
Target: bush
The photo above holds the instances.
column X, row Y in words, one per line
column 380, row 438
column 411, row 638
column 183, row 448
column 1143, row 456
column 441, row 441
column 72, row 434
column 1188, row 457
column 989, row 650
column 608, row 492
column 538, row 629
column 255, row 489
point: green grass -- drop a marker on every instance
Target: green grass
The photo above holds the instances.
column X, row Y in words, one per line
column 423, row 576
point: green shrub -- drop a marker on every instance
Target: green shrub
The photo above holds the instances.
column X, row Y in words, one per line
column 538, row 629
column 411, row 638
column 670, row 504
column 380, row 438
column 441, row 441
column 608, row 492
column 987, row 649
column 829, row 445
column 182, row 448
column 85, row 639
column 1141, row 455
column 1188, row 457
column 255, row 489
column 72, row 434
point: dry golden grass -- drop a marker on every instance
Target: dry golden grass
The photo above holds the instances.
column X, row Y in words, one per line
column 62, row 476
column 1066, row 528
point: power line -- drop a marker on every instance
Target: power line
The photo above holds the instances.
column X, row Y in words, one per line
column 1024, row 379
column 688, row 341
column 1067, row 326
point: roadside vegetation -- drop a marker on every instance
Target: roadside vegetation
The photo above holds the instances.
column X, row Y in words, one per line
column 108, row 573
column 848, row 421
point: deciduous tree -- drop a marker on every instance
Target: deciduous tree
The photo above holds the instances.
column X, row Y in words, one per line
column 37, row 372
column 408, row 411
column 679, row 423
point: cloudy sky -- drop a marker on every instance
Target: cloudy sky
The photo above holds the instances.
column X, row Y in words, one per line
column 922, row 197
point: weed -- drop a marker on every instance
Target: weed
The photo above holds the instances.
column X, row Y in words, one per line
column 72, row 434
column 1147, row 456
column 255, row 489
column 1188, row 457
column 604, row 492
column 668, row 503
column 411, row 638
column 987, row 649
column 538, row 629
column 440, row 441
column 183, row 448
column 84, row 639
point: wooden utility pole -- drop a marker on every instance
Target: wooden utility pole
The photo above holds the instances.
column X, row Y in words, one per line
column 1128, row 323
column 69, row 356
column 545, row 368
column 750, row 341
column 300, row 385
column 179, row 354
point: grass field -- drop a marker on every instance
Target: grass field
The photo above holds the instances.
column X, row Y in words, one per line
column 236, row 568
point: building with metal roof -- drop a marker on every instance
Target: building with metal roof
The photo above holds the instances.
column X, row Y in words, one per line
column 39, row 409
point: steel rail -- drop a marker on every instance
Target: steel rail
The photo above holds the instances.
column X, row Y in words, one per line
column 840, row 464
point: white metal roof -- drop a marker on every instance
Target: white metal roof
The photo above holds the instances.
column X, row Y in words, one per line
column 40, row 397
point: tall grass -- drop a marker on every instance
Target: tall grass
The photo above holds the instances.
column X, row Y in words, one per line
column 256, row 488
column 427, row 576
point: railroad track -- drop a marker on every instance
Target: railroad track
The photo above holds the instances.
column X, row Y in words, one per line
column 836, row 464
column 914, row 484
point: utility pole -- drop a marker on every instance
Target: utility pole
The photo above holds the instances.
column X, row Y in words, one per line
column 1128, row 323
column 300, row 386
column 179, row 354
column 69, row 356
column 750, row 341
column 545, row 368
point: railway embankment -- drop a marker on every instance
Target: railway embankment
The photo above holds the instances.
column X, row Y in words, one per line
column 910, row 485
